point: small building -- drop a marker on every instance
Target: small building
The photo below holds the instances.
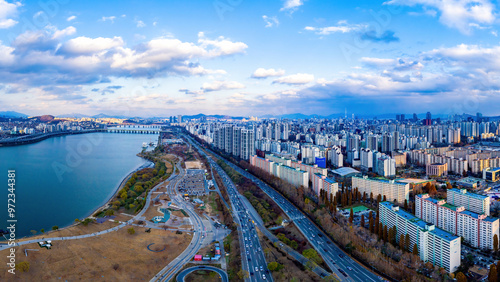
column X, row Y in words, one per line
column 198, row 257
column 437, row 169
column 491, row 174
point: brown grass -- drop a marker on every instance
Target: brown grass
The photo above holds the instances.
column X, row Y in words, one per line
column 93, row 259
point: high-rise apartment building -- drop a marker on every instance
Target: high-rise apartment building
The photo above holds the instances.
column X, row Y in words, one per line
column 476, row 229
column 434, row 245
column 393, row 190
column 473, row 202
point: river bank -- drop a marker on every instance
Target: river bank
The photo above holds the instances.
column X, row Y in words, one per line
column 30, row 139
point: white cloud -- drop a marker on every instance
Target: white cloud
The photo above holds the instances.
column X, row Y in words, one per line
column 341, row 27
column 111, row 19
column 220, row 46
column 292, row 5
column 270, row 21
column 377, row 61
column 85, row 45
column 70, row 30
column 264, row 73
column 218, row 85
column 299, row 78
column 457, row 14
column 71, row 18
column 140, row 24
column 7, row 11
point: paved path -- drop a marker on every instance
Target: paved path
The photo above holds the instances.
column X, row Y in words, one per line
column 123, row 224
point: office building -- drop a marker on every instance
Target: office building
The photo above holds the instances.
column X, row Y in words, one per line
column 436, row 170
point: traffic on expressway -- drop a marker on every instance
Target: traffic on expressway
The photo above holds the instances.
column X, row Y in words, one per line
column 339, row 262
column 253, row 259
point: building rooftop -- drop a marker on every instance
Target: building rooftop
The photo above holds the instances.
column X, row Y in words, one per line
column 493, row 169
column 468, row 194
column 381, row 179
column 343, row 171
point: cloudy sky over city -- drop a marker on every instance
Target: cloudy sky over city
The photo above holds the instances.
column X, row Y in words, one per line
column 249, row 58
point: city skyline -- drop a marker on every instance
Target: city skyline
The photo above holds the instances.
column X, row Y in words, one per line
column 236, row 57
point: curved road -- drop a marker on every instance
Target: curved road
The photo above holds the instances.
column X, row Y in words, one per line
column 182, row 274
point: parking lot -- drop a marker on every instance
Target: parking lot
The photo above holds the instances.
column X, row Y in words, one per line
column 194, row 184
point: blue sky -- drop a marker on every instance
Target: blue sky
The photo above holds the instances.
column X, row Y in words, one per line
column 237, row 57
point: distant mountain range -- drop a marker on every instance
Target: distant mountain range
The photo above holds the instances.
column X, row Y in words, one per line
column 12, row 114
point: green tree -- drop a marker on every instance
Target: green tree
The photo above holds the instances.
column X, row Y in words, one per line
column 42, row 230
column 131, row 206
column 294, row 244
column 272, row 266
column 109, row 212
column 415, row 249
column 23, row 266
column 131, row 231
column 243, row 274
column 55, row 227
column 312, row 255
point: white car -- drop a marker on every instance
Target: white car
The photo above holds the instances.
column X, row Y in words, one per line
column 256, row 269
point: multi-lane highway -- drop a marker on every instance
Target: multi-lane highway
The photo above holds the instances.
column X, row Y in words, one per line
column 339, row 262
column 253, row 259
column 199, row 233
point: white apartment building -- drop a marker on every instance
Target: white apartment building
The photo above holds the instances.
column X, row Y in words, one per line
column 294, row 176
column 477, row 229
column 336, row 157
column 391, row 189
column 434, row 245
column 472, row 202
column 321, row 182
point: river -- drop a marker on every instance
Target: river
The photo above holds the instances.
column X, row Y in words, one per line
column 64, row 178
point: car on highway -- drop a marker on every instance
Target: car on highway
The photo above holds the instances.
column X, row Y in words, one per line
column 256, row 269
column 350, row 268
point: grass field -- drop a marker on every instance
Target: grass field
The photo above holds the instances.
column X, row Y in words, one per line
column 116, row 256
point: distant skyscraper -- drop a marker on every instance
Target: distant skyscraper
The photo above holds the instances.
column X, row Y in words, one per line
column 179, row 118
column 428, row 119
column 415, row 117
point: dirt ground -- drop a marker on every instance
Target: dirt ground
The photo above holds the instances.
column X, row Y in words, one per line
column 193, row 165
column 116, row 256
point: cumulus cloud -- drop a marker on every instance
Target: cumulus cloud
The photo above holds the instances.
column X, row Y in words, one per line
column 7, row 12
column 220, row 46
column 295, row 79
column 270, row 21
column 70, row 30
column 291, row 5
column 340, row 27
column 43, row 58
column 219, row 85
column 459, row 14
column 264, row 73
